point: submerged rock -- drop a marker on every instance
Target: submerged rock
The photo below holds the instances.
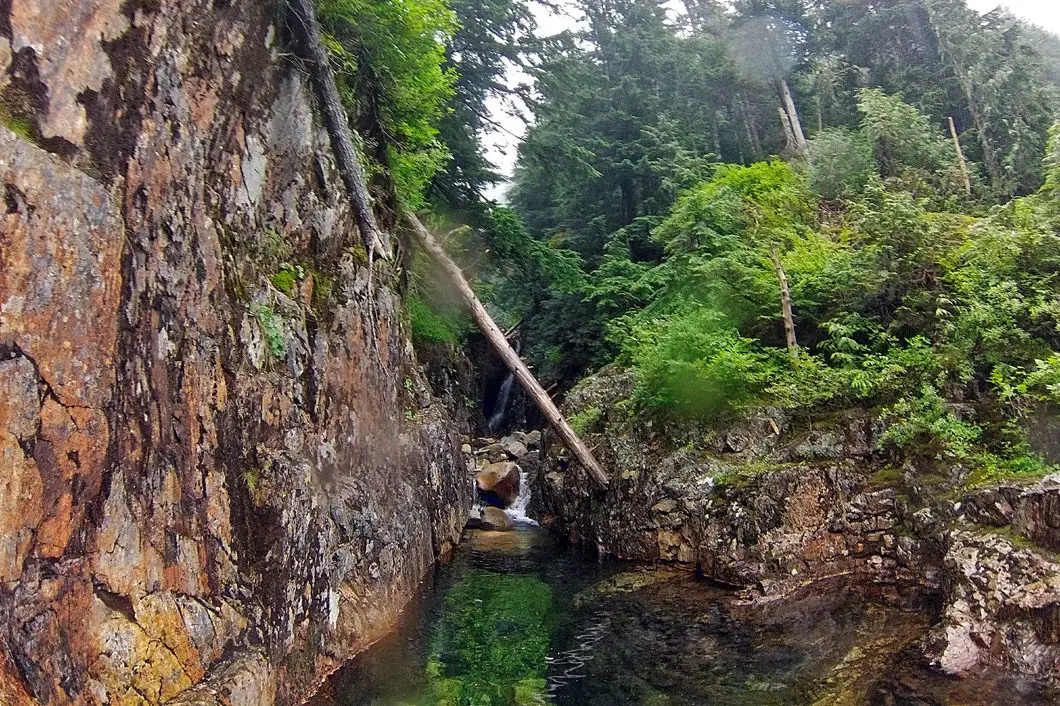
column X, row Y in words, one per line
column 769, row 507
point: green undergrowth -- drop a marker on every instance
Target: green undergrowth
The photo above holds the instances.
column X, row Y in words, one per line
column 742, row 475
column 433, row 327
column 587, row 420
column 1023, row 468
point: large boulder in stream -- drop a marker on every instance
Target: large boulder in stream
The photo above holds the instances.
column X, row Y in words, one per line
column 493, row 518
column 498, row 484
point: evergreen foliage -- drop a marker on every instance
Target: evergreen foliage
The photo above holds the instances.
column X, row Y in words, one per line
column 661, row 197
column 390, row 63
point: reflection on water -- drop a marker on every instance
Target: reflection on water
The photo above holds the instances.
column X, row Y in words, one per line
column 515, row 619
column 490, row 642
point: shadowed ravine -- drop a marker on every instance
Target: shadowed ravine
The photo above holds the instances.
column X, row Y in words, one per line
column 516, row 619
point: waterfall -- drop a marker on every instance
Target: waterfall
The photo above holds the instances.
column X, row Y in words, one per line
column 517, row 510
column 501, row 407
column 504, row 394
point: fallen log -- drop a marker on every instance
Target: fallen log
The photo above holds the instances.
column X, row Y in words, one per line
column 306, row 32
column 511, row 359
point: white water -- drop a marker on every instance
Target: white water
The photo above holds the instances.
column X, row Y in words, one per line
column 517, row 510
column 501, row 407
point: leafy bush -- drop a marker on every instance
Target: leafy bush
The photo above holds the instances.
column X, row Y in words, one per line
column 697, row 366
column 927, row 424
column 840, row 163
column 429, row 326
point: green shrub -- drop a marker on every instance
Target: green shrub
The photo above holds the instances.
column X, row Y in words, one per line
column 429, row 326
column 925, row 423
column 840, row 162
column 696, row 366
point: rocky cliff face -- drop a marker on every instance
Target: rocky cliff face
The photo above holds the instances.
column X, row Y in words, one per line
column 221, row 471
column 770, row 506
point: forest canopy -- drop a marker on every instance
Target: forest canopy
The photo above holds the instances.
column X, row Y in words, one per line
column 797, row 203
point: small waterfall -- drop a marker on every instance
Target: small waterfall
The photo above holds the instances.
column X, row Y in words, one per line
column 517, row 510
column 501, row 408
column 504, row 395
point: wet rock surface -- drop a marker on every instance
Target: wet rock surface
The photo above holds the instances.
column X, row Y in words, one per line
column 498, row 483
column 769, row 506
column 217, row 484
column 497, row 467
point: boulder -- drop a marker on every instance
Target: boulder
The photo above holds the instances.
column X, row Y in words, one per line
column 513, row 447
column 494, row 452
column 493, row 518
column 474, row 519
column 533, row 438
column 498, row 484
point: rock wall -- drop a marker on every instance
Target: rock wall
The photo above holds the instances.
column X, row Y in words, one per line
column 759, row 505
column 770, row 506
column 222, row 470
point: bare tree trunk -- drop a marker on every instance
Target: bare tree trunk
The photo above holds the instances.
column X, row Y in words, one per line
column 307, row 35
column 950, row 54
column 960, row 159
column 793, row 117
column 785, row 305
column 511, row 359
column 789, row 136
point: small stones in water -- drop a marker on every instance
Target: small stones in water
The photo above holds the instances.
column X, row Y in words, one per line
column 513, row 447
column 497, row 478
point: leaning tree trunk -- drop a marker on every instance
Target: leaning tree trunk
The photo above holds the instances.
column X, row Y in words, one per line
column 793, row 117
column 785, row 125
column 785, row 305
column 307, row 32
column 511, row 359
column 307, row 35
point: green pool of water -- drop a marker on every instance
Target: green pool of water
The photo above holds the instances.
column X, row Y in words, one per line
column 515, row 619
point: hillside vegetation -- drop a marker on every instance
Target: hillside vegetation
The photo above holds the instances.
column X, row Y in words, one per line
column 884, row 173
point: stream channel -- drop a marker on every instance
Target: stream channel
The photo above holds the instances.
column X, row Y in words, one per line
column 516, row 618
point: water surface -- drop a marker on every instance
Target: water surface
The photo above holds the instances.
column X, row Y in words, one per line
column 516, row 619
